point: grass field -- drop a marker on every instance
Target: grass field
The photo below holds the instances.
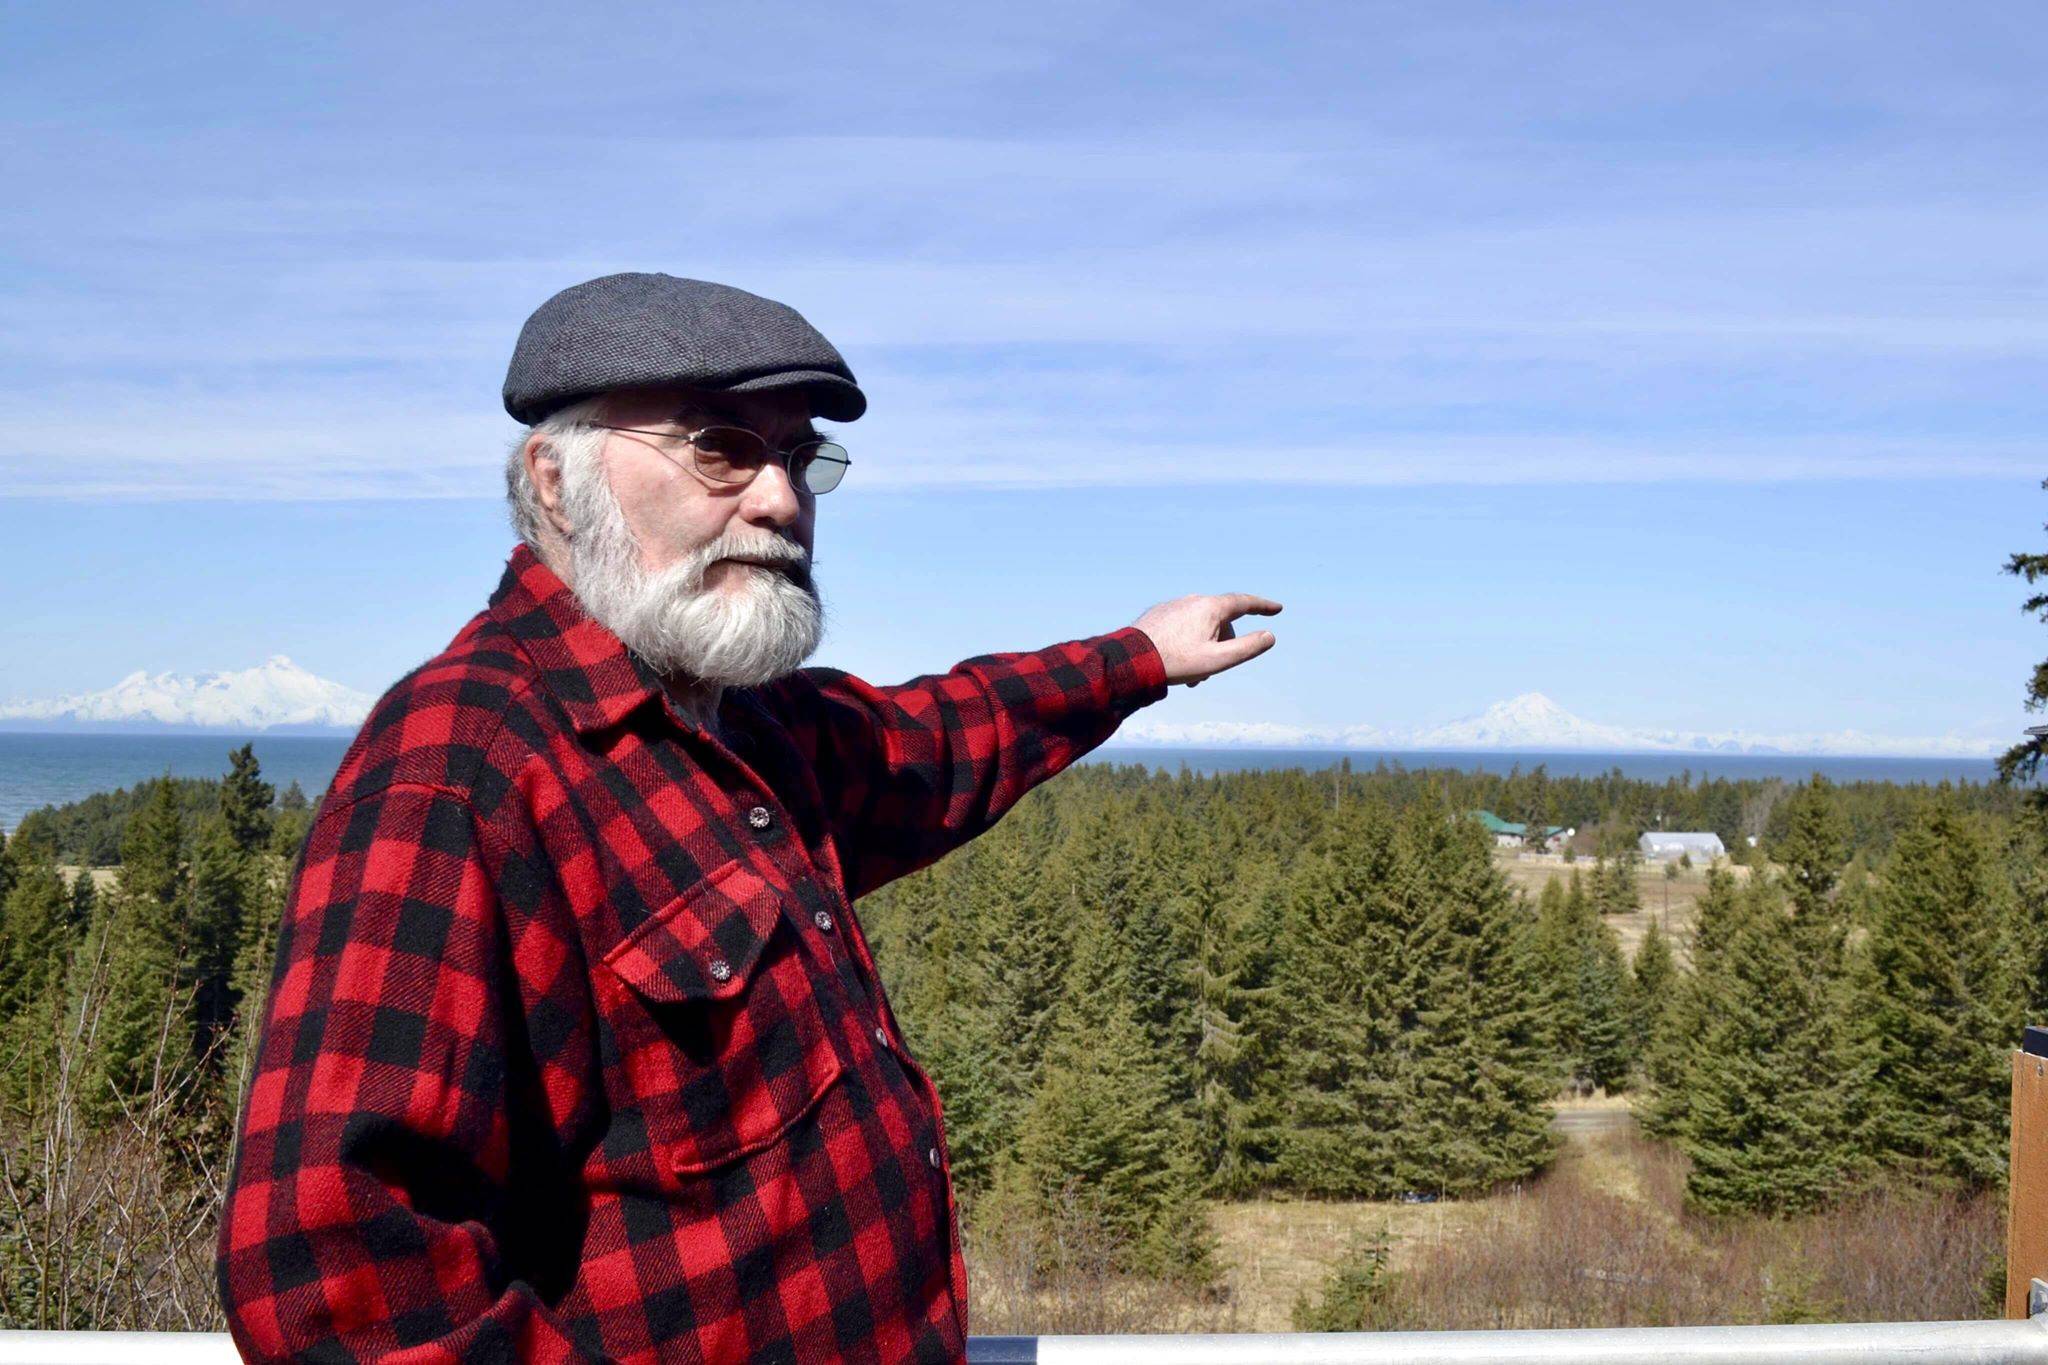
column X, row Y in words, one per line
column 1275, row 1250
column 1600, row 1239
column 1670, row 902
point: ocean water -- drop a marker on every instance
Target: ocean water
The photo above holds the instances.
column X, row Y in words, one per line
column 50, row 769
column 44, row 770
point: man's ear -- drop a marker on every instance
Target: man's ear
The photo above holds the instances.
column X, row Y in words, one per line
column 544, row 472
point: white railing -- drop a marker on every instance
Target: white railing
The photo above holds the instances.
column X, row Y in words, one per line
column 1865, row 1343
column 1992, row 1342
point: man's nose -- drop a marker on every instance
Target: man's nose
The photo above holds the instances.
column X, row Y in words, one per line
column 771, row 497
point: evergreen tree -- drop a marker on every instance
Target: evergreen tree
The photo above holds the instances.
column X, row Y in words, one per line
column 1028, row 906
column 1345, row 933
column 1674, row 1049
column 1157, row 950
column 1476, row 1080
column 1943, row 1000
column 35, row 944
column 34, row 940
column 1266, row 994
column 1224, row 1049
column 1615, row 888
column 1416, row 1044
column 144, row 1026
column 1813, row 847
column 1357, row 1292
column 250, row 978
column 245, row 800
column 1555, row 953
column 2026, row 860
column 2022, row 761
column 222, row 873
column 945, row 992
column 1589, row 1005
column 1656, row 988
column 1102, row 1139
column 84, row 899
column 1767, row 1092
column 1607, row 1010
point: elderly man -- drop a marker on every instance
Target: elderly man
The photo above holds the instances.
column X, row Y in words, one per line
column 574, row 1047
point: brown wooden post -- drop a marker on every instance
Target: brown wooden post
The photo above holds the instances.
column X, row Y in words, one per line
column 2026, row 1236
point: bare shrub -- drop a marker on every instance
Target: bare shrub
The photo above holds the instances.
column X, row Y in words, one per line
column 1561, row 1252
column 1888, row 1255
column 1567, row 1251
column 109, row 1229
column 1058, row 1273
column 1660, row 1168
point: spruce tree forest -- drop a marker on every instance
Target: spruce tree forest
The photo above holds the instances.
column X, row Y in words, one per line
column 1163, row 1009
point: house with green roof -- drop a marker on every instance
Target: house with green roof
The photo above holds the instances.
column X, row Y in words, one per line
column 1515, row 834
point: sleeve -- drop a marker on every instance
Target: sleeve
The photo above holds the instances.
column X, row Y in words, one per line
column 367, row 1207
column 912, row 771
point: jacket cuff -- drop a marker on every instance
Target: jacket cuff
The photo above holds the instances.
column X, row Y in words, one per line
column 1136, row 673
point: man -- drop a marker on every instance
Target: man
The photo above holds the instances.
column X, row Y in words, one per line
column 574, row 1048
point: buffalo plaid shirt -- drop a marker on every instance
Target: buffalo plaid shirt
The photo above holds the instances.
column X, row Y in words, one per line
column 574, row 1048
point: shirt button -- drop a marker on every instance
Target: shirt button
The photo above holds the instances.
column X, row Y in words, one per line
column 932, row 1155
column 823, row 920
column 720, row 969
column 881, row 1036
column 760, row 817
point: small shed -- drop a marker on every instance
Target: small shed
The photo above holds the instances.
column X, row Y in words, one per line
column 1668, row 846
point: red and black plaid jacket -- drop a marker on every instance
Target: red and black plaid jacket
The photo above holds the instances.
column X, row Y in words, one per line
column 574, row 1048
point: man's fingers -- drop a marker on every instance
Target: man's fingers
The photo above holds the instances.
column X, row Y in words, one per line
column 1236, row 604
column 1235, row 652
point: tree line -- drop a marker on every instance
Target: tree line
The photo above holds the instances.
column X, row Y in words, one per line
column 1839, row 1025
column 1609, row 809
column 127, row 1016
column 180, row 938
column 1144, row 990
column 88, row 832
column 1141, row 989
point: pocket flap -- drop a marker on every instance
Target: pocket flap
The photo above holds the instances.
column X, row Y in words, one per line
column 703, row 944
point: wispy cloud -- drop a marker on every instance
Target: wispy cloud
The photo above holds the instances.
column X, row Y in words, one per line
column 1654, row 254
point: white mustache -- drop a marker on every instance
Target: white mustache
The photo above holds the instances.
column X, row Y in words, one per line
column 766, row 552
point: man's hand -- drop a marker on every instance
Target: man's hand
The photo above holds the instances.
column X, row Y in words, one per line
column 1194, row 636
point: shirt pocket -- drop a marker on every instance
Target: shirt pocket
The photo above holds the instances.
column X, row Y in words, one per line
column 722, row 1037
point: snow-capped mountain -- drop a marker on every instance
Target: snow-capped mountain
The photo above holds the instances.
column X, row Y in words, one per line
column 1533, row 723
column 276, row 694
column 1530, row 721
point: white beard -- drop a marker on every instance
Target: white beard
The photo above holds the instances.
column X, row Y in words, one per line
column 760, row 624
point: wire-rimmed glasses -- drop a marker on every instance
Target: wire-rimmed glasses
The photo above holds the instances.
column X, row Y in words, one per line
column 734, row 455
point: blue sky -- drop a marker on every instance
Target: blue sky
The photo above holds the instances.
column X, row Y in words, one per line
column 1684, row 363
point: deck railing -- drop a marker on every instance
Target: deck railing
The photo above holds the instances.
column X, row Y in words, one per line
column 1992, row 1342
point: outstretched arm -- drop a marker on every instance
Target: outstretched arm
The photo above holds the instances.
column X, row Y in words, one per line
column 910, row 772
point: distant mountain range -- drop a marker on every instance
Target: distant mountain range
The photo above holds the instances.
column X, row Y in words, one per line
column 280, row 697
column 1533, row 723
column 276, row 696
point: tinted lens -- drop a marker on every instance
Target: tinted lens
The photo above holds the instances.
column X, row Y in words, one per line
column 729, row 454
column 822, row 463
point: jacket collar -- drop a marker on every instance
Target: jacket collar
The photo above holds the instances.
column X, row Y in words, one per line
column 598, row 681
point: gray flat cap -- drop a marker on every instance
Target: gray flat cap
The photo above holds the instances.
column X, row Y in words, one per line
column 638, row 328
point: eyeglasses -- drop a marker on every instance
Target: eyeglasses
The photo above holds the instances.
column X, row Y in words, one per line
column 734, row 455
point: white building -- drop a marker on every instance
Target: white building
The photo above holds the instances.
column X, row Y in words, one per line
column 1669, row 846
